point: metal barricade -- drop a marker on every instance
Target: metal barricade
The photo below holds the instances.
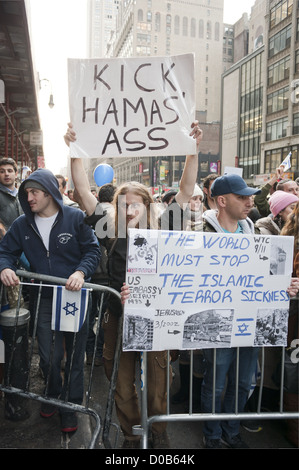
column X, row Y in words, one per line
column 144, row 428
column 20, row 390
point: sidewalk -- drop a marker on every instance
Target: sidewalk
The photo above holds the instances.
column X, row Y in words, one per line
column 40, row 433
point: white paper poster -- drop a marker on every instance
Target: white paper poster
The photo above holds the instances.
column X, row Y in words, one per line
column 194, row 290
column 132, row 107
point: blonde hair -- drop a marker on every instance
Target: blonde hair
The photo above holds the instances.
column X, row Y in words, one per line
column 139, row 190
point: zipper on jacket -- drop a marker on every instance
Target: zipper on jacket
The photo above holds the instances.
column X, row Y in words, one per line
column 47, row 251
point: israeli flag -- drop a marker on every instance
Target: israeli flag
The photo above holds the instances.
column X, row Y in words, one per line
column 287, row 162
column 68, row 309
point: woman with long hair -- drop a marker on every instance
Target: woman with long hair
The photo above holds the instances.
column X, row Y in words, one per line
column 134, row 208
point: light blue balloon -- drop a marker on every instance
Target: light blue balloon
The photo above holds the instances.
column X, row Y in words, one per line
column 103, row 174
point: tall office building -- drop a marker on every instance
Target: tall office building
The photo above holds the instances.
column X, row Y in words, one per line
column 101, row 25
column 260, row 123
column 101, row 20
column 163, row 28
column 281, row 97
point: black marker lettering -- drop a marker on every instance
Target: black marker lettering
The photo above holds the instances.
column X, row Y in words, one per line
column 97, row 76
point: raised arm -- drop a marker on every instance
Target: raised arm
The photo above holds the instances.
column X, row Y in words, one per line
column 260, row 200
column 79, row 177
column 189, row 175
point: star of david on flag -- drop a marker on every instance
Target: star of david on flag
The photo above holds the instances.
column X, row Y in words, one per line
column 68, row 309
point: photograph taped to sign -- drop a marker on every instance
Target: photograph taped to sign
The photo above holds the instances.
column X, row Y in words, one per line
column 207, row 290
column 142, row 253
column 126, row 107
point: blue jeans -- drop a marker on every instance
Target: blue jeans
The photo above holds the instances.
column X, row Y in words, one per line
column 226, row 381
column 63, row 343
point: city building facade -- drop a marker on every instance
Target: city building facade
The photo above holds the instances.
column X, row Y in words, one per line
column 281, row 92
column 260, row 125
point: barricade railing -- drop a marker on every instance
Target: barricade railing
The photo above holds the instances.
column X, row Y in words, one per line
column 144, row 428
column 22, row 389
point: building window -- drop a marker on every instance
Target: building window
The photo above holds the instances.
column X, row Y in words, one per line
column 280, row 41
column 144, row 26
column 193, row 27
column 250, row 123
column 140, row 16
column 273, row 159
column 296, row 124
column 277, row 129
column 168, row 24
column 157, row 22
column 185, row 26
column 209, row 30
column 143, row 39
column 281, row 11
column 217, row 31
column 297, row 61
column 200, row 29
column 279, row 71
column 176, row 24
column 143, row 50
column 251, row 100
column 278, row 100
column 251, row 116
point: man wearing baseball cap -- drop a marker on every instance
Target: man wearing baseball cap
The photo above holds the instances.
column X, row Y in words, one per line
column 234, row 200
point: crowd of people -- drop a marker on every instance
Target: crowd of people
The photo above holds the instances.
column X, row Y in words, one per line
column 39, row 214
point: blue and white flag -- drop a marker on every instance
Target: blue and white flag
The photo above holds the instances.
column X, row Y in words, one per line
column 68, row 309
column 287, row 162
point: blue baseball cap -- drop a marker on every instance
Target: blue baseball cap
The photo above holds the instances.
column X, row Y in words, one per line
column 232, row 184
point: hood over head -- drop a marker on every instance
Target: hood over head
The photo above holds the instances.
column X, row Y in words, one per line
column 42, row 179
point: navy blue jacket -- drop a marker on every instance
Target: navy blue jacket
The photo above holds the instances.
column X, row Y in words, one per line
column 73, row 245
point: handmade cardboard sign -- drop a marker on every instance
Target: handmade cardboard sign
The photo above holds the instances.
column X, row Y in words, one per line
column 195, row 290
column 132, row 107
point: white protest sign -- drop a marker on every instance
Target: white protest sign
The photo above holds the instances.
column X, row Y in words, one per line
column 132, row 107
column 195, row 290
